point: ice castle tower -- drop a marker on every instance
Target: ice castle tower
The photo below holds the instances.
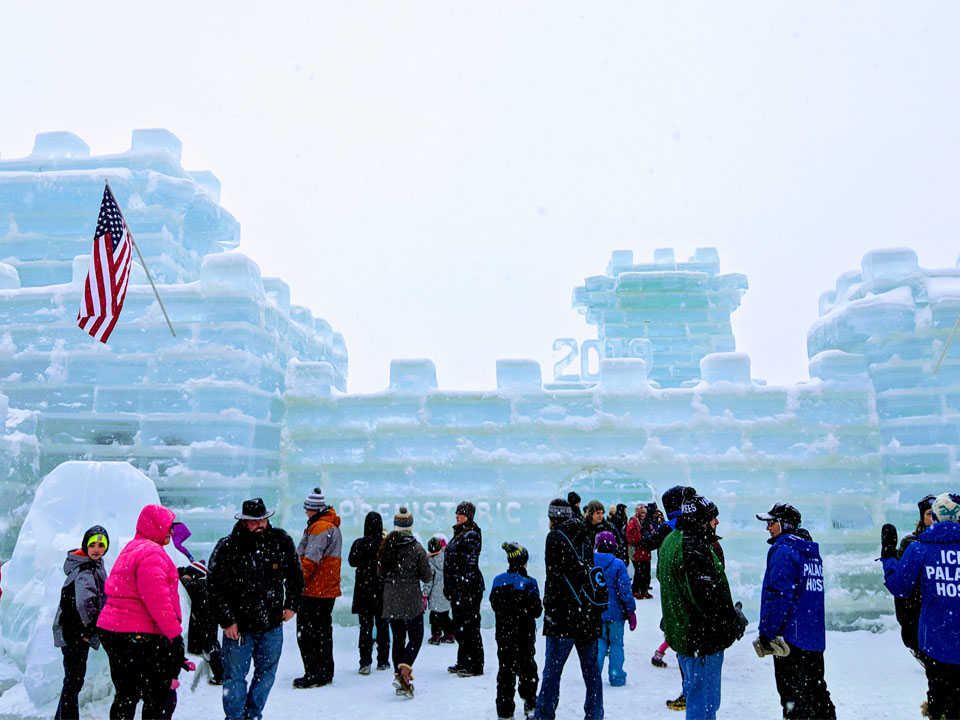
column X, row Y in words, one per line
column 679, row 311
column 200, row 413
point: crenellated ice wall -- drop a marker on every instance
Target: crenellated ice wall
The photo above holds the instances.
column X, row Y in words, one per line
column 201, row 413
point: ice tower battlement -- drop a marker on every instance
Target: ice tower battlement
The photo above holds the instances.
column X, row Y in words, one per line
column 671, row 312
column 201, row 414
column 47, row 200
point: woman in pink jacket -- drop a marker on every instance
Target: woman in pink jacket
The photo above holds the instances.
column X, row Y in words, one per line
column 140, row 624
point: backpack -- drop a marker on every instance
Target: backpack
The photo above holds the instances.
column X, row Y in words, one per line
column 587, row 583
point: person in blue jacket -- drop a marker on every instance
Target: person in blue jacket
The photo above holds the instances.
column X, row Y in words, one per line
column 933, row 563
column 791, row 608
column 621, row 607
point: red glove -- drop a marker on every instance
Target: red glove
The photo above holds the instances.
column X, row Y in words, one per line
column 632, row 620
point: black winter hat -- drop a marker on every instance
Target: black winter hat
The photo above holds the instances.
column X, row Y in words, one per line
column 573, row 498
column 517, row 554
column 97, row 533
column 698, row 509
column 673, row 499
column 467, row 508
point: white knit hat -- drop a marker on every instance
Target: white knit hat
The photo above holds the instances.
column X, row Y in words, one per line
column 946, row 508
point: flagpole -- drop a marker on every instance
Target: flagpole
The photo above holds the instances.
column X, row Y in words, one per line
column 945, row 347
column 144, row 265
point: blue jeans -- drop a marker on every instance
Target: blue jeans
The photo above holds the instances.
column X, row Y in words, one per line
column 558, row 650
column 701, row 684
column 264, row 649
column 612, row 637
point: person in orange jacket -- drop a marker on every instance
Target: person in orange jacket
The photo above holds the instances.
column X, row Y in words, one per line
column 319, row 552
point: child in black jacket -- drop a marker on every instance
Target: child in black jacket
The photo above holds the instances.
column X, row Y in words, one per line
column 515, row 599
column 75, row 625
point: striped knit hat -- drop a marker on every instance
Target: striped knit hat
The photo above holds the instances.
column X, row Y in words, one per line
column 403, row 520
column 315, row 500
column 517, row 554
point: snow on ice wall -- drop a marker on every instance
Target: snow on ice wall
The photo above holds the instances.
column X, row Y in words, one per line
column 200, row 413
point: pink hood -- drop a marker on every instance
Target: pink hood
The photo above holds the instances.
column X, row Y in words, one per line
column 142, row 590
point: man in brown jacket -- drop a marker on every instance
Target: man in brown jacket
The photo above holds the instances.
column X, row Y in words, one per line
column 319, row 552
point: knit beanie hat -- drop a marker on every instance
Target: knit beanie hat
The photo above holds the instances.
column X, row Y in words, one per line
column 673, row 499
column 559, row 509
column 606, row 542
column 517, row 554
column 403, row 520
column 698, row 509
column 97, row 533
column 466, row 508
column 592, row 507
column 436, row 544
column 315, row 500
column 573, row 498
column 946, row 508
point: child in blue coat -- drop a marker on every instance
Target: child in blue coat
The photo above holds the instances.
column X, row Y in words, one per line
column 621, row 607
column 515, row 599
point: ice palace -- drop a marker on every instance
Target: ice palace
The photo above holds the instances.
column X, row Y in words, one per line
column 250, row 398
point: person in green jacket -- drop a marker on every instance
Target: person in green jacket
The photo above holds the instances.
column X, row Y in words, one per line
column 699, row 617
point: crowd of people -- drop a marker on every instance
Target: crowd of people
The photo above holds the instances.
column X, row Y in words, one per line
column 257, row 580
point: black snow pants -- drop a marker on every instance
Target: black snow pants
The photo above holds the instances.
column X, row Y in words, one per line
column 367, row 622
column 803, row 690
column 74, row 671
column 466, row 629
column 641, row 577
column 943, row 688
column 141, row 669
column 315, row 638
column 518, row 668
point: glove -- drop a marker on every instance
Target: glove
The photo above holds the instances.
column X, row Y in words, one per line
column 632, row 621
column 189, row 665
column 888, row 541
column 178, row 655
column 777, row 646
column 741, row 620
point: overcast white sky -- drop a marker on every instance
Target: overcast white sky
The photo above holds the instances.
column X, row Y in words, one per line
column 435, row 177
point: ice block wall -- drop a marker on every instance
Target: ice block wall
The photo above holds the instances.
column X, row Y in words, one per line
column 19, row 459
column 200, row 413
column 885, row 327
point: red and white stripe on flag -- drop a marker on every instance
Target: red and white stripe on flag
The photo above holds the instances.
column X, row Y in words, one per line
column 109, row 272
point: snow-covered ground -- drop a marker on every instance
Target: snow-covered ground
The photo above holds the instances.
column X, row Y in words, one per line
column 869, row 675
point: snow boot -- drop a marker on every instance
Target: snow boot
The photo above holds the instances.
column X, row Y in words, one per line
column 679, row 704
column 453, row 669
column 448, row 640
column 364, row 670
column 404, row 680
column 529, row 709
column 383, row 666
column 305, row 682
column 657, row 660
column 463, row 672
column 435, row 640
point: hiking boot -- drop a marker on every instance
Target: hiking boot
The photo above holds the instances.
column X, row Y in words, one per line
column 364, row 669
column 679, row 704
column 305, row 682
column 463, row 672
column 453, row 669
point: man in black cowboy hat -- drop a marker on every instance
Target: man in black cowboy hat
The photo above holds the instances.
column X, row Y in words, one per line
column 255, row 585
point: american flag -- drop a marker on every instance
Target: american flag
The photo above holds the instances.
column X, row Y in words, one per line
column 109, row 272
